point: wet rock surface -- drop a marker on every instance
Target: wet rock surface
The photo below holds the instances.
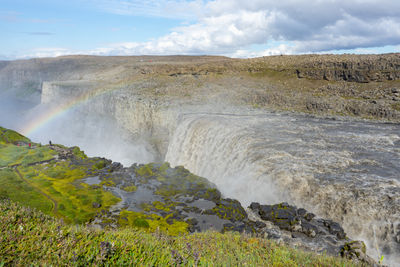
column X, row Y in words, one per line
column 158, row 191
column 171, row 193
column 299, row 228
column 356, row 250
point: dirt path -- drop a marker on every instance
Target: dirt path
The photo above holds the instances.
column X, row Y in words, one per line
column 55, row 204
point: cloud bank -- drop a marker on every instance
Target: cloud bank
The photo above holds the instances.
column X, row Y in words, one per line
column 234, row 27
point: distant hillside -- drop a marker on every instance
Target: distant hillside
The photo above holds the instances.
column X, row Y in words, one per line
column 365, row 86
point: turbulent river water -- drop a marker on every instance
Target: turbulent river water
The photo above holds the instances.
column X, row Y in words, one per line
column 345, row 170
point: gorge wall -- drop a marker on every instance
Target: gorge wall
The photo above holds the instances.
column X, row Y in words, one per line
column 364, row 86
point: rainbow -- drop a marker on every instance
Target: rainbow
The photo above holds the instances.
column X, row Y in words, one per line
column 58, row 110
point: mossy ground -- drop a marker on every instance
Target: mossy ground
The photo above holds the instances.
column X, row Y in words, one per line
column 12, row 155
column 9, row 136
column 28, row 237
column 74, row 200
column 14, row 188
column 33, row 176
column 152, row 223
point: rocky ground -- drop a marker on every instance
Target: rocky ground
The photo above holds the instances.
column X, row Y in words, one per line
column 179, row 201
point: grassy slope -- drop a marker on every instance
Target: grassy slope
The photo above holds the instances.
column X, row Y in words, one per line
column 33, row 177
column 31, row 237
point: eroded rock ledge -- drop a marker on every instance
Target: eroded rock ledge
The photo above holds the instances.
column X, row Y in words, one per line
column 300, row 228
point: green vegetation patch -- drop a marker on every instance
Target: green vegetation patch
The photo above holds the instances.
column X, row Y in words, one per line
column 28, row 237
column 75, row 202
column 34, row 177
column 11, row 155
column 12, row 137
column 108, row 182
column 145, row 171
column 129, row 188
column 178, row 181
column 18, row 190
column 78, row 152
column 152, row 222
column 229, row 209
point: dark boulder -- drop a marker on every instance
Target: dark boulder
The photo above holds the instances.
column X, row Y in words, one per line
column 294, row 226
column 356, row 250
column 309, row 216
column 301, row 212
column 335, row 229
column 96, row 205
column 255, row 206
column 309, row 229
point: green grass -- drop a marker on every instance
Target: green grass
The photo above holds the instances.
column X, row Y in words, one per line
column 15, row 155
column 152, row 223
column 129, row 188
column 78, row 153
column 16, row 189
column 10, row 136
column 75, row 199
column 49, row 185
column 28, row 237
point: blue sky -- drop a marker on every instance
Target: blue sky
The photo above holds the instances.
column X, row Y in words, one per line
column 234, row 28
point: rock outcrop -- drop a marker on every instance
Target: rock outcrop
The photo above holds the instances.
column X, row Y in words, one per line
column 351, row 68
column 300, row 228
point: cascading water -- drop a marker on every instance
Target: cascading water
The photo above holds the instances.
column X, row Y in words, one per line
column 344, row 170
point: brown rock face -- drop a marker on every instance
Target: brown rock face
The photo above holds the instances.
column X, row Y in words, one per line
column 360, row 69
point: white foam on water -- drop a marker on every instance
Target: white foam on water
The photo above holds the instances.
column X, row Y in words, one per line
column 341, row 170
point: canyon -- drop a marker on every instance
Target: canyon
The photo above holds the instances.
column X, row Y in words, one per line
column 317, row 131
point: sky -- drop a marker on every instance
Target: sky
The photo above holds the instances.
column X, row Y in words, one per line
column 234, row 28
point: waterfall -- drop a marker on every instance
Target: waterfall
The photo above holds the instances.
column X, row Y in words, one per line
column 343, row 170
column 224, row 151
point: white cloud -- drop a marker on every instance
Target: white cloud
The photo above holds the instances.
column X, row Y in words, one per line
column 229, row 27
column 48, row 52
column 281, row 49
column 232, row 27
column 152, row 8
